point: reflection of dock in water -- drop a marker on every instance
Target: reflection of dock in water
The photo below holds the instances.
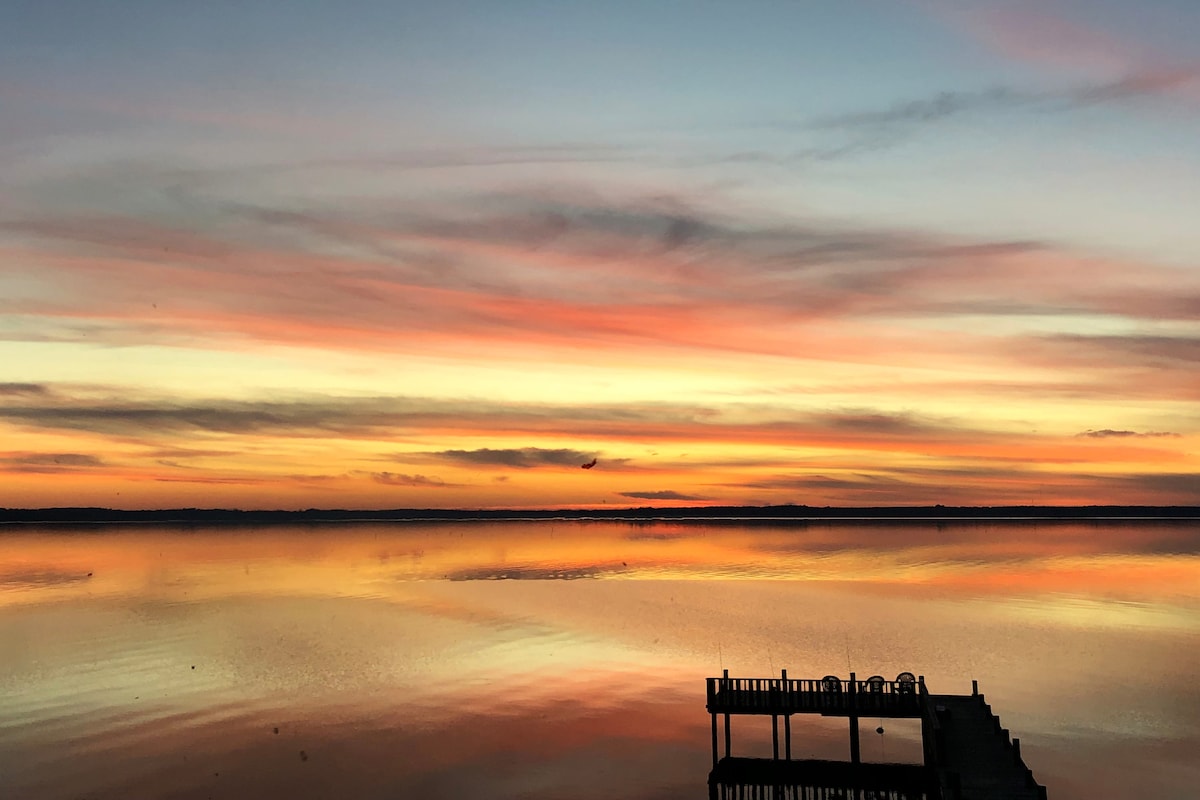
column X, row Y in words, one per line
column 967, row 755
column 745, row 778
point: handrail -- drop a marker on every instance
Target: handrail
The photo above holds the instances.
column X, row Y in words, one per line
column 810, row 685
column 812, row 695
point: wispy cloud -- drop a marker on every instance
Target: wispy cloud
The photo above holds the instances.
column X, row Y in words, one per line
column 1151, row 82
column 1124, row 351
column 994, row 484
column 880, row 129
column 546, row 269
column 1089, row 67
column 519, row 458
column 666, row 494
column 1109, row 433
column 940, row 106
column 376, row 417
column 1118, row 63
column 48, row 463
column 27, row 389
column 216, row 480
column 399, row 479
column 977, row 462
column 420, row 420
column 1035, row 34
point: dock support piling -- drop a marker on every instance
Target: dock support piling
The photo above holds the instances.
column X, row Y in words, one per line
column 855, row 747
column 714, row 731
column 775, row 736
column 725, row 687
column 787, row 719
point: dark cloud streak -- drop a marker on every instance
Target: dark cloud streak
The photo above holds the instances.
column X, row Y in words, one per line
column 19, row 389
column 884, row 128
column 398, row 479
column 48, row 463
column 518, row 458
column 661, row 495
column 1108, row 433
column 941, row 106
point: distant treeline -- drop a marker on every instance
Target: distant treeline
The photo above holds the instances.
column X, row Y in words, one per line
column 217, row 516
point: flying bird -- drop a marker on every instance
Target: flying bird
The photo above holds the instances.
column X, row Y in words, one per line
column 589, row 464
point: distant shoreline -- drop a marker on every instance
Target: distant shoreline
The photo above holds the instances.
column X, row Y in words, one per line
column 781, row 514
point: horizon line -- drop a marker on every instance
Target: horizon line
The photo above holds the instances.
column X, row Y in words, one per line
column 782, row 512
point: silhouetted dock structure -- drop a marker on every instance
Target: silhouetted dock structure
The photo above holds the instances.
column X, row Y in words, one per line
column 967, row 755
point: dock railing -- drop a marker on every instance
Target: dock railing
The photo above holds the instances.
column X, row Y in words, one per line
column 828, row 695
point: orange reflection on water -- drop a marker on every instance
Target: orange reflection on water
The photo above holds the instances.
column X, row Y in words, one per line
column 470, row 660
column 1158, row 560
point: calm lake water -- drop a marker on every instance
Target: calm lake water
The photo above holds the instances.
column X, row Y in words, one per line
column 566, row 659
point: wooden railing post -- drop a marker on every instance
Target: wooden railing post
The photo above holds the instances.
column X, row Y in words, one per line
column 728, row 699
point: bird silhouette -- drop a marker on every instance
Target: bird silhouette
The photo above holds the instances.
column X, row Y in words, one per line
column 588, row 465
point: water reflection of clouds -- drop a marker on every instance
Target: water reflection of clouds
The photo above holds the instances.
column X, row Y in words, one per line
column 392, row 677
column 516, row 573
column 663, row 531
column 163, row 564
column 985, row 540
column 25, row 579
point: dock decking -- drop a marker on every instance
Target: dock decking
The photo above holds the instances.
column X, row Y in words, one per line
column 967, row 754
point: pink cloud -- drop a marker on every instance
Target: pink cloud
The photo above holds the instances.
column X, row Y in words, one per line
column 616, row 283
column 1029, row 33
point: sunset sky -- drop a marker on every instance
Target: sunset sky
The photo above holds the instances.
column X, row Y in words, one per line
column 399, row 254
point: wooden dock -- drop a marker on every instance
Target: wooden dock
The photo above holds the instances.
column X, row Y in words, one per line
column 967, row 754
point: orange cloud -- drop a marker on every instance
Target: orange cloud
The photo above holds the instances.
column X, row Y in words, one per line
column 810, row 345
